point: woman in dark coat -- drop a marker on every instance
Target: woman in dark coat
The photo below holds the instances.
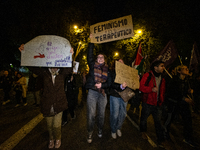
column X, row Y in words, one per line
column 53, row 101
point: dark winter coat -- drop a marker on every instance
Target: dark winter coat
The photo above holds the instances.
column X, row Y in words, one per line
column 53, row 95
column 90, row 80
column 114, row 86
column 177, row 89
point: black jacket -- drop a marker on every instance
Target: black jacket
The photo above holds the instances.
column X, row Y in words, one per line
column 114, row 86
column 90, row 80
column 177, row 89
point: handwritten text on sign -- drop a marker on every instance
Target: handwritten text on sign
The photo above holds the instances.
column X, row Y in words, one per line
column 47, row 51
column 112, row 30
column 126, row 74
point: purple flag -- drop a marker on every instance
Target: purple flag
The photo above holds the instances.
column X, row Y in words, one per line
column 195, row 58
column 168, row 54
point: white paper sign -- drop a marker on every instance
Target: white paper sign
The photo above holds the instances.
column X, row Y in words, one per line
column 47, row 51
column 112, row 30
column 75, row 66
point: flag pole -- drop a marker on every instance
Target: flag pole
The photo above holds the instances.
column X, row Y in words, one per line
column 168, row 73
column 180, row 59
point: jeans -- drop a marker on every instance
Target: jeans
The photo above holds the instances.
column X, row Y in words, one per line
column 54, row 126
column 117, row 113
column 95, row 100
column 156, row 112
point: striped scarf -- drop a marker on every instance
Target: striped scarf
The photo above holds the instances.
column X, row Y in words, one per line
column 100, row 74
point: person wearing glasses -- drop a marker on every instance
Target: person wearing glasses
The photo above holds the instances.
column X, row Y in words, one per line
column 97, row 82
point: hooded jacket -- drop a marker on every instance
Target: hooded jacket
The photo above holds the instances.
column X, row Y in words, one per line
column 148, row 96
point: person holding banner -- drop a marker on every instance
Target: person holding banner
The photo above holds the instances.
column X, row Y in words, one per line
column 53, row 101
column 152, row 85
column 98, row 81
column 179, row 101
column 117, row 104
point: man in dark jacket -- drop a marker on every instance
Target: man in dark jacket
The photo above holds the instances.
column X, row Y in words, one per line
column 98, row 81
column 153, row 87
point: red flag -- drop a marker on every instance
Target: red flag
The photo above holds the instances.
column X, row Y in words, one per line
column 139, row 57
column 195, row 58
column 168, row 54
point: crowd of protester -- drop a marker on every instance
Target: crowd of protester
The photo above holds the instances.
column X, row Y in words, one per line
column 161, row 96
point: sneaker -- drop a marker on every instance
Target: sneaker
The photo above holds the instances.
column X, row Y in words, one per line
column 17, row 105
column 114, row 135
column 191, row 143
column 100, row 134
column 119, row 133
column 25, row 104
column 89, row 139
column 58, row 144
column 51, row 144
column 64, row 123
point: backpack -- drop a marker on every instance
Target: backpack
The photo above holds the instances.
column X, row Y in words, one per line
column 148, row 79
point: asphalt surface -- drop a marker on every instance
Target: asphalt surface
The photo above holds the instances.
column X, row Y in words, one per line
column 23, row 128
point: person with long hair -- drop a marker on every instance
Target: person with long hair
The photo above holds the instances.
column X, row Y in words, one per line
column 117, row 104
column 97, row 82
column 179, row 101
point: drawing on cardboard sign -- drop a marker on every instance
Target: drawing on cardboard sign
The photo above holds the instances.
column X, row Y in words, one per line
column 47, row 51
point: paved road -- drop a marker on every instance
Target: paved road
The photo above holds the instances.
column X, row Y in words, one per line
column 27, row 124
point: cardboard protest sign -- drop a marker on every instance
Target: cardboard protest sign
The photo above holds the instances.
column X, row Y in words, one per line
column 126, row 74
column 75, row 66
column 47, row 51
column 112, row 30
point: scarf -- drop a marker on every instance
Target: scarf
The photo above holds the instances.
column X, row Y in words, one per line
column 100, row 74
column 54, row 74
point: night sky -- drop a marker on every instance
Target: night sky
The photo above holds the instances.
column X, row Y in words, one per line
column 22, row 20
column 20, row 14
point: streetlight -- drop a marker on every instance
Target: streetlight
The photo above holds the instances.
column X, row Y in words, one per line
column 139, row 31
column 77, row 30
column 116, row 54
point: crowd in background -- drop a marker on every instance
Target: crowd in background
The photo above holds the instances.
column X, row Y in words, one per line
column 180, row 96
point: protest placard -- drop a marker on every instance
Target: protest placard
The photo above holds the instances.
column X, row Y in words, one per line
column 47, row 51
column 126, row 74
column 112, row 30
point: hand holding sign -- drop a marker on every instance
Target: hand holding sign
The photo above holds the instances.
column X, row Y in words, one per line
column 124, row 85
column 21, row 48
